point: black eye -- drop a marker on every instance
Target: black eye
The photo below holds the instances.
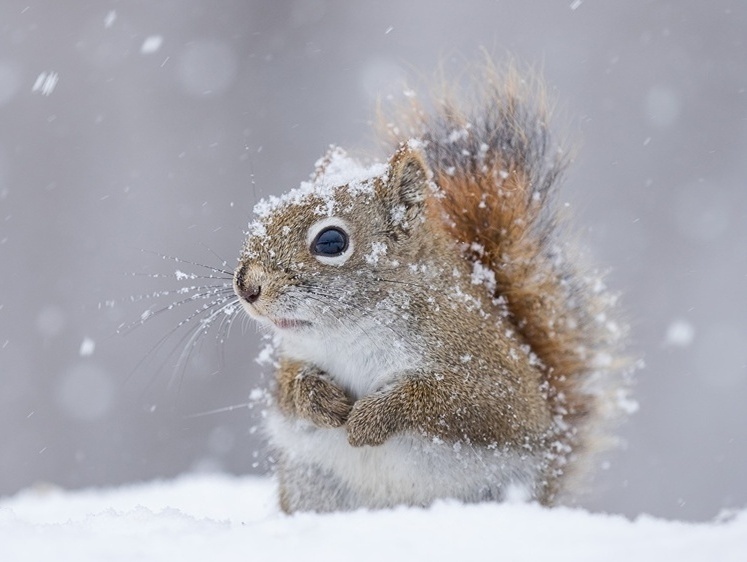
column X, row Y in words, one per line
column 330, row 242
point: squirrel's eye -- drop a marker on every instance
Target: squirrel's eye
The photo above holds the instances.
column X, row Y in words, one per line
column 330, row 242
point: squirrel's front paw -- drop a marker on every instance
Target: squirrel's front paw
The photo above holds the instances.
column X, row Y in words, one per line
column 370, row 422
column 320, row 401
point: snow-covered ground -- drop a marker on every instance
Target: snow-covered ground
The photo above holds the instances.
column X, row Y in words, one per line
column 222, row 518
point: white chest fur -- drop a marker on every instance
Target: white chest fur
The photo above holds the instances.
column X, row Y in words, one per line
column 361, row 359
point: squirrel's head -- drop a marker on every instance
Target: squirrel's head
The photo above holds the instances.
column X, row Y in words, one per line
column 335, row 244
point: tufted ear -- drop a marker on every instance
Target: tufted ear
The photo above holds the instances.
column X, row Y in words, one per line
column 408, row 181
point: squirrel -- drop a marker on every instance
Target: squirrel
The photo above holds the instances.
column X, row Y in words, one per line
column 438, row 335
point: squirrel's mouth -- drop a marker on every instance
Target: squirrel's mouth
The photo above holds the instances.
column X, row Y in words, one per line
column 280, row 323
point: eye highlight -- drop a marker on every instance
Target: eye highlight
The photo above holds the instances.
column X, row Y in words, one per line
column 330, row 242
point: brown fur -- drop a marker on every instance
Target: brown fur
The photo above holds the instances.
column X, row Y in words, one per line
column 307, row 393
column 497, row 402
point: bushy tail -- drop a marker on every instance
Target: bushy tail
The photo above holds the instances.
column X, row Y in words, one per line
column 497, row 169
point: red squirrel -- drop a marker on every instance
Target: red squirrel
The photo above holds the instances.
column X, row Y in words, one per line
column 439, row 336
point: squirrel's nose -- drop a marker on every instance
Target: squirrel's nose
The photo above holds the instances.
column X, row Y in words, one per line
column 247, row 289
column 249, row 292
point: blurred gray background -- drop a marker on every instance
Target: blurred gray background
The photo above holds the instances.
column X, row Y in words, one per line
column 133, row 128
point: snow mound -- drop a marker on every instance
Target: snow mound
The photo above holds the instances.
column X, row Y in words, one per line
column 226, row 518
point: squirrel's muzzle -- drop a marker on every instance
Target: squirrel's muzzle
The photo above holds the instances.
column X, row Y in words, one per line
column 245, row 286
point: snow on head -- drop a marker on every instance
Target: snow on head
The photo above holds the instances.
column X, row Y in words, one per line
column 334, row 171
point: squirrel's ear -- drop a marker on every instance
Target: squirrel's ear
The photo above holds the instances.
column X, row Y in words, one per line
column 408, row 180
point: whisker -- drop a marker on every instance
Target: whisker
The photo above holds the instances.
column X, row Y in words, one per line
column 219, row 410
column 154, row 349
column 176, row 275
column 245, row 323
column 163, row 293
column 231, row 319
column 408, row 283
column 203, row 328
column 196, row 264
column 335, row 298
column 223, row 330
column 182, row 291
column 150, row 313
column 223, row 261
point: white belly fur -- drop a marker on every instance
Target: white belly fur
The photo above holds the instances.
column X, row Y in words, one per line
column 406, row 469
